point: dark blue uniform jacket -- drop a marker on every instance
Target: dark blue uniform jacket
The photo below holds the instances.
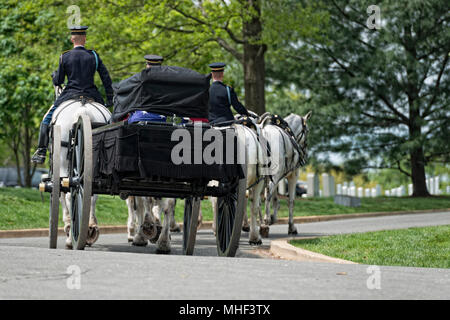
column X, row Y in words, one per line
column 219, row 103
column 80, row 65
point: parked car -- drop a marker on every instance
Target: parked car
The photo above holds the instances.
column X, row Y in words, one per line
column 8, row 177
column 300, row 188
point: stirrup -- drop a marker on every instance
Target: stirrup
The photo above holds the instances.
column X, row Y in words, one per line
column 39, row 156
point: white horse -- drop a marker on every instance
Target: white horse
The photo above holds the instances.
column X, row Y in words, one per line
column 286, row 164
column 256, row 153
column 144, row 221
column 65, row 116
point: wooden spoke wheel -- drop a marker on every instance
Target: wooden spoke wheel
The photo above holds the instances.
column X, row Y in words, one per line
column 80, row 175
column 191, row 211
column 55, row 166
column 230, row 214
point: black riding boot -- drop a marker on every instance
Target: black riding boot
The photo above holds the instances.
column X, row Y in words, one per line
column 39, row 155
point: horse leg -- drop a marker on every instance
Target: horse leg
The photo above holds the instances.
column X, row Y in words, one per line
column 264, row 228
column 245, row 225
column 139, row 238
column 94, row 231
column 292, row 180
column 254, row 237
column 131, row 222
column 155, row 221
column 174, row 226
column 275, row 206
column 64, row 199
column 200, row 218
column 163, row 243
column 214, row 210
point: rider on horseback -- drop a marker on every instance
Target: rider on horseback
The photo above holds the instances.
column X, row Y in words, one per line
column 80, row 65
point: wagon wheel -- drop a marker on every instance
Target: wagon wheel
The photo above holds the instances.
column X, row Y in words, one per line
column 230, row 213
column 55, row 167
column 191, row 211
column 80, row 174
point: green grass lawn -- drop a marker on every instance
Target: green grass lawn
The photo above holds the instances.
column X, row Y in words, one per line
column 427, row 247
column 23, row 208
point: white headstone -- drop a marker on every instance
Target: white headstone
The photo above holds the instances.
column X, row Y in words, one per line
column 378, row 190
column 312, row 185
column 345, row 184
column 339, row 189
column 437, row 191
column 344, row 191
column 401, row 191
column 410, row 189
column 352, row 184
column 320, row 193
column 431, row 186
column 353, row 191
column 367, row 192
column 387, row 193
column 373, row 192
column 328, row 185
column 448, row 189
column 360, row 192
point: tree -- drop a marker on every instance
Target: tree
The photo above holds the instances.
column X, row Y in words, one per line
column 381, row 94
column 196, row 33
column 25, row 83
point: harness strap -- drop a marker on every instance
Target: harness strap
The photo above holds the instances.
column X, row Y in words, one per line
column 96, row 60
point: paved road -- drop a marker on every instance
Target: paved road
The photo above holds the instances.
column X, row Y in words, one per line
column 114, row 269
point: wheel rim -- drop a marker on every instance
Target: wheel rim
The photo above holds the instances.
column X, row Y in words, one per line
column 55, row 177
column 81, row 182
column 226, row 216
column 77, row 191
column 191, row 211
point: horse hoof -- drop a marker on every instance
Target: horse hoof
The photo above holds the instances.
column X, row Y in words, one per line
column 93, row 234
column 292, row 232
column 255, row 242
column 177, row 229
column 139, row 244
column 273, row 220
column 139, row 241
column 162, row 251
column 130, row 239
column 155, row 238
column 149, row 230
column 264, row 231
column 246, row 228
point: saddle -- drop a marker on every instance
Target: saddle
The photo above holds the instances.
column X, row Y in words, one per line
column 276, row 120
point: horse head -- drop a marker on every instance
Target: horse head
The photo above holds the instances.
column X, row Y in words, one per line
column 299, row 127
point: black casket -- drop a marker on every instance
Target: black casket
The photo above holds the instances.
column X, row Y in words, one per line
column 123, row 150
column 165, row 90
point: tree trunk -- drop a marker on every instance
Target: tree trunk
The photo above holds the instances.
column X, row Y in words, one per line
column 254, row 64
column 418, row 173
column 417, row 158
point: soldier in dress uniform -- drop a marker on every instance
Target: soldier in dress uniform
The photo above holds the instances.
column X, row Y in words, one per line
column 153, row 60
column 222, row 96
column 79, row 65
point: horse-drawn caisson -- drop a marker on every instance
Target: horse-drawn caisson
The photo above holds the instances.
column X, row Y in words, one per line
column 177, row 155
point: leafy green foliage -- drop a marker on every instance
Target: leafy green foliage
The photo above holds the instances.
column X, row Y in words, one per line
column 380, row 97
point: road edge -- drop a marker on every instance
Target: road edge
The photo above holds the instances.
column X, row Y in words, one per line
column 281, row 249
column 43, row 232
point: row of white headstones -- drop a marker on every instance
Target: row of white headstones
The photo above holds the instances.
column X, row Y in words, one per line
column 349, row 188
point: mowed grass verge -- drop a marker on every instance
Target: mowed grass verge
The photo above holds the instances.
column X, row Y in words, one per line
column 23, row 208
column 427, row 247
